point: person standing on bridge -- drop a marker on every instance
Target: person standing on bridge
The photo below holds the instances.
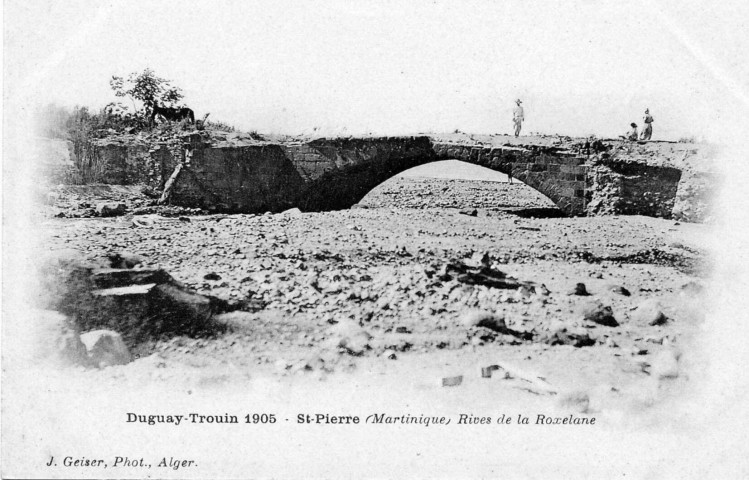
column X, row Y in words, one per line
column 518, row 116
column 647, row 130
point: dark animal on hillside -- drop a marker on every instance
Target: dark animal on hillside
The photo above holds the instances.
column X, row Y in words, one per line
column 175, row 114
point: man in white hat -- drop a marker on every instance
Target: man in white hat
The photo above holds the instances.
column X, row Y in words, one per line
column 518, row 117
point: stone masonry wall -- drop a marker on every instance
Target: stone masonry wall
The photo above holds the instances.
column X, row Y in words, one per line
column 620, row 187
column 558, row 174
column 114, row 163
column 240, row 179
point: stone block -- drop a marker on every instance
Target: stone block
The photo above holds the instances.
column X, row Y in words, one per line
column 538, row 167
column 114, row 277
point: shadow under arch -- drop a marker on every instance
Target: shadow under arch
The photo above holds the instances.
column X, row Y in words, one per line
column 454, row 184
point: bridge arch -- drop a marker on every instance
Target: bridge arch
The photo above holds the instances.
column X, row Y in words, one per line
column 345, row 170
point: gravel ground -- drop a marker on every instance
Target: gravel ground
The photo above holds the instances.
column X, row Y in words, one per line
column 365, row 289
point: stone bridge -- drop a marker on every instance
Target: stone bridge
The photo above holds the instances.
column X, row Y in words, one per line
column 331, row 174
column 232, row 173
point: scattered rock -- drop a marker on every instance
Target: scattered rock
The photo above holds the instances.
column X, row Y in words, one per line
column 483, row 275
column 650, row 312
column 124, row 260
column 212, row 276
column 562, row 336
column 579, row 290
column 487, row 372
column 110, row 209
column 106, row 348
column 292, row 212
column 594, row 311
column 352, row 338
column 481, row 318
column 523, row 294
column 451, row 381
column 470, row 213
column 619, row 290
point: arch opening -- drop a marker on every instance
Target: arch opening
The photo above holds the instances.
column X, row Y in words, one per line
column 457, row 184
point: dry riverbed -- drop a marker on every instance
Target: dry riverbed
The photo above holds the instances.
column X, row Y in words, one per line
column 406, row 290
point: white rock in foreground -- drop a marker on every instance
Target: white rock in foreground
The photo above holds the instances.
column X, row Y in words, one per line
column 106, row 348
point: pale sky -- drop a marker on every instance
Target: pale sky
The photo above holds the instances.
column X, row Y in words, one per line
column 587, row 67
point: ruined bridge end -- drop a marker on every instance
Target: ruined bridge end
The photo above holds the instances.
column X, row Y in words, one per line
column 557, row 174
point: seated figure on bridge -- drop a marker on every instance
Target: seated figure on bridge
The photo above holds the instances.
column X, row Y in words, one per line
column 632, row 135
